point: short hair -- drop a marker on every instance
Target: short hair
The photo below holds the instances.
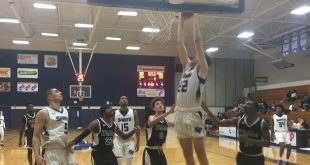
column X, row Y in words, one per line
column 255, row 104
column 48, row 92
column 281, row 106
column 103, row 108
column 156, row 99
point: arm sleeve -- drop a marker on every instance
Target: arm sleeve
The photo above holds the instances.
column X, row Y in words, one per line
column 84, row 134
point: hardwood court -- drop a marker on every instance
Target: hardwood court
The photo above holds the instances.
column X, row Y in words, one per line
column 220, row 151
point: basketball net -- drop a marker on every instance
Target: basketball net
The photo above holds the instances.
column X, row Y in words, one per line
column 81, row 98
column 163, row 21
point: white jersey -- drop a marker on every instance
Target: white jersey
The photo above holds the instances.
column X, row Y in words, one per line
column 56, row 128
column 191, row 88
column 126, row 123
column 2, row 123
column 280, row 123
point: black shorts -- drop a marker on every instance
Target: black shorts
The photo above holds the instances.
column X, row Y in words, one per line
column 103, row 158
column 243, row 159
column 154, row 157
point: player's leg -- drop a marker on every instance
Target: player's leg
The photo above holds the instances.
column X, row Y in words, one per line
column 29, row 147
column 281, row 141
column 288, row 146
column 130, row 151
column 29, row 155
column 1, row 138
column 187, row 149
column 200, row 150
column 118, row 150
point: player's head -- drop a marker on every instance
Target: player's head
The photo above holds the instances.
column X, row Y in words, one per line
column 279, row 108
column 251, row 107
column 29, row 107
column 53, row 95
column 123, row 101
column 106, row 110
column 208, row 58
column 158, row 104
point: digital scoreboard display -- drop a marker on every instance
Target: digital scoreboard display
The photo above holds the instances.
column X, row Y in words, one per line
column 150, row 81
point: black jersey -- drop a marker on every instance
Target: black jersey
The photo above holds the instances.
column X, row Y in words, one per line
column 103, row 141
column 253, row 131
column 156, row 135
column 28, row 120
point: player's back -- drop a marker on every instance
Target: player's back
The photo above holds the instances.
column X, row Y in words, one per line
column 191, row 88
column 56, row 128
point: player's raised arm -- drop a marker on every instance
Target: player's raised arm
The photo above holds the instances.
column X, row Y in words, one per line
column 182, row 52
column 202, row 61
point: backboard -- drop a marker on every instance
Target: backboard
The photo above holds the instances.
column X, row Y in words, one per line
column 76, row 91
column 195, row 6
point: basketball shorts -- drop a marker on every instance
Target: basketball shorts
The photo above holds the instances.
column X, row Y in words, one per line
column 124, row 148
column 103, row 158
column 58, row 157
column 283, row 137
column 243, row 159
column 189, row 124
column 154, row 157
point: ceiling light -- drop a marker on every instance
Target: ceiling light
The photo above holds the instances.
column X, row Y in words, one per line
column 150, row 30
column 212, row 49
column 301, row 10
column 79, row 44
column 8, row 20
column 113, row 38
column 83, row 25
column 23, row 42
column 245, row 35
column 50, row 34
column 44, row 6
column 127, row 13
column 133, row 48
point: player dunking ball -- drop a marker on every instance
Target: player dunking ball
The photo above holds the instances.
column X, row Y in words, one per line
column 27, row 129
column 103, row 130
column 279, row 129
column 126, row 119
column 156, row 133
column 53, row 122
column 189, row 122
column 253, row 134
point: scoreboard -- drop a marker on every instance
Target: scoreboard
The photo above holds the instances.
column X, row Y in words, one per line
column 150, row 81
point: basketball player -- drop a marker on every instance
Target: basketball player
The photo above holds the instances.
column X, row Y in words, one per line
column 2, row 127
column 156, row 133
column 27, row 129
column 53, row 121
column 189, row 122
column 279, row 130
column 126, row 119
column 253, row 134
column 103, row 130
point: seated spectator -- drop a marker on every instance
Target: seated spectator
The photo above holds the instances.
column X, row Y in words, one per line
column 294, row 125
column 302, row 123
column 273, row 107
column 291, row 107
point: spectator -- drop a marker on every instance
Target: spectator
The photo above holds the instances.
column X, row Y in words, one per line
column 288, row 96
column 294, row 96
column 273, row 107
column 302, row 123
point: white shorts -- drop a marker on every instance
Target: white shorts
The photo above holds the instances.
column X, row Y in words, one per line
column 58, row 157
column 124, row 148
column 189, row 124
column 283, row 137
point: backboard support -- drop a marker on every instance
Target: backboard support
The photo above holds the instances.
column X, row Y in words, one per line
column 195, row 6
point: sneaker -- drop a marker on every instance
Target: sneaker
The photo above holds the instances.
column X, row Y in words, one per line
column 279, row 162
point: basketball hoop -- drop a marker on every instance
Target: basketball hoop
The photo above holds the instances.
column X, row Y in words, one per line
column 163, row 21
